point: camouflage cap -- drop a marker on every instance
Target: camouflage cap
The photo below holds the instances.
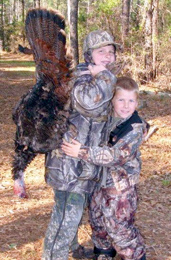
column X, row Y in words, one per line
column 97, row 39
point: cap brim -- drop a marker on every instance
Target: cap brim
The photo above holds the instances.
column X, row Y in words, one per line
column 117, row 46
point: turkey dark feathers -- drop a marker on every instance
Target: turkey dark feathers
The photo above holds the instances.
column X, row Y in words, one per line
column 41, row 114
column 41, row 118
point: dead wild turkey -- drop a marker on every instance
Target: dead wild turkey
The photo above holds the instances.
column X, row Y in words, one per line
column 41, row 114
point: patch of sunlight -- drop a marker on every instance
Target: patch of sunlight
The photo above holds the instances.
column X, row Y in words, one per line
column 19, row 69
column 166, row 141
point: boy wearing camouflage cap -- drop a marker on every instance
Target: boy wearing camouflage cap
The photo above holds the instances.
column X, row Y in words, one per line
column 71, row 179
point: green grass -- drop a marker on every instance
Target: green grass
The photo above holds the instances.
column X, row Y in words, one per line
column 15, row 68
column 17, row 63
column 166, row 182
column 22, row 74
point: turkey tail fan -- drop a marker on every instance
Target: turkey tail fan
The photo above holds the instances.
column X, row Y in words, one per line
column 46, row 36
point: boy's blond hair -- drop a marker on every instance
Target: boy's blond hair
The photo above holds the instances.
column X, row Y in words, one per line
column 126, row 83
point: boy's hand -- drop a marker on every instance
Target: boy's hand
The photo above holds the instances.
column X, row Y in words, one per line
column 71, row 149
column 95, row 69
column 116, row 68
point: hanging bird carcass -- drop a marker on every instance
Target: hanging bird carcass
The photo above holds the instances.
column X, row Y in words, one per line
column 41, row 114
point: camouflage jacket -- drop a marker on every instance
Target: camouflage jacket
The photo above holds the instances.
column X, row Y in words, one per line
column 91, row 109
column 121, row 157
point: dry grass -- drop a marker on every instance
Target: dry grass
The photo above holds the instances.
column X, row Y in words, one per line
column 24, row 221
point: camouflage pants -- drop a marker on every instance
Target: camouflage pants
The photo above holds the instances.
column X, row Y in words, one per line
column 112, row 221
column 63, row 226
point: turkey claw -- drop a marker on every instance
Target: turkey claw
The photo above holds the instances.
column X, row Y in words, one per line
column 19, row 189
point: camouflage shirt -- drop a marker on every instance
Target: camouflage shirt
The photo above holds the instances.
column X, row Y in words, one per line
column 121, row 157
column 89, row 119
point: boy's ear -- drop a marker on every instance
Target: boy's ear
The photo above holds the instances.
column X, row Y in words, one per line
column 137, row 104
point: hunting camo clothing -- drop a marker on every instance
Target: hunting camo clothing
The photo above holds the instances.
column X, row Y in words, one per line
column 65, row 218
column 112, row 208
column 91, row 109
column 89, row 119
column 112, row 222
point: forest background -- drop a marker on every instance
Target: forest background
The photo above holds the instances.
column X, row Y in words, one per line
column 141, row 27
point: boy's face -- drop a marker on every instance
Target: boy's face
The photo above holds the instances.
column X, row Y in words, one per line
column 124, row 103
column 104, row 55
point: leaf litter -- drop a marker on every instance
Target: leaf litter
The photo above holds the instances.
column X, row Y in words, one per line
column 24, row 221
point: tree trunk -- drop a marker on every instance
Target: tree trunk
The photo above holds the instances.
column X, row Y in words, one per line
column 73, row 18
column 14, row 11
column 34, row 3
column 2, row 34
column 23, row 20
column 137, row 12
column 155, row 34
column 125, row 18
column 38, row 3
column 148, row 60
column 58, row 4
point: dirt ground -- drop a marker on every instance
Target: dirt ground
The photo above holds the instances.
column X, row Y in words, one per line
column 23, row 222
